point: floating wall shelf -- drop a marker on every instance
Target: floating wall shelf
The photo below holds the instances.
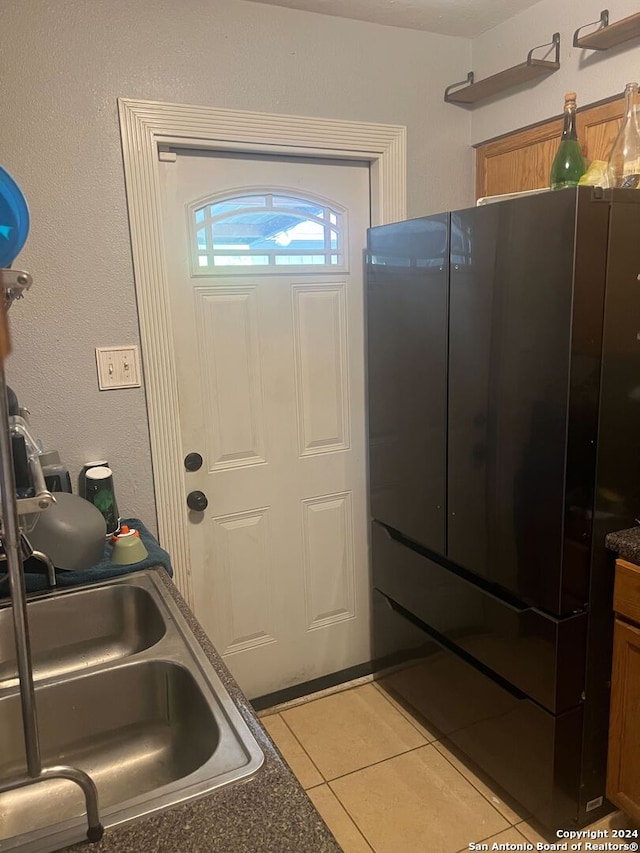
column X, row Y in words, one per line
column 474, row 91
column 609, row 35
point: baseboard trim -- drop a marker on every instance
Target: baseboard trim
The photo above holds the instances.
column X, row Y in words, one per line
column 342, row 680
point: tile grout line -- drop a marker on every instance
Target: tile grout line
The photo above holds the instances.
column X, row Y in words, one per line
column 403, row 752
column 406, row 752
column 301, row 745
column 480, row 840
column 482, row 794
column 351, row 817
column 376, row 763
column 353, row 820
column 326, row 782
column 342, row 805
column 407, row 716
column 344, row 808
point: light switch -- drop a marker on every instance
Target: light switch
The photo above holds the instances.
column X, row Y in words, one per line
column 118, row 367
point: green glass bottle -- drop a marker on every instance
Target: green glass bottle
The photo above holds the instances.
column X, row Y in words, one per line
column 568, row 166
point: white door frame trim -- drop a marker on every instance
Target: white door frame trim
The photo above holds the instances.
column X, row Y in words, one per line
column 144, row 125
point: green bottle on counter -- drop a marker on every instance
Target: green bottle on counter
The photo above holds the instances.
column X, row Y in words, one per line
column 568, row 166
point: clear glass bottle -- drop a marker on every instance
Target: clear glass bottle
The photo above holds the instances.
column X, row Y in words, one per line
column 568, row 165
column 623, row 167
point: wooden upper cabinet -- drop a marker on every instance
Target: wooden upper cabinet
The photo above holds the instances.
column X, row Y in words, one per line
column 522, row 160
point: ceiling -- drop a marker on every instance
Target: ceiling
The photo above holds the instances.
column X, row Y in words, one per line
column 466, row 18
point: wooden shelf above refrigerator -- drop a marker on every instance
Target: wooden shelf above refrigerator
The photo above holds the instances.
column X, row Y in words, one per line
column 473, row 91
column 608, row 35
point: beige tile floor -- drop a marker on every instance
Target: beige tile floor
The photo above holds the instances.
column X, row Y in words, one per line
column 384, row 781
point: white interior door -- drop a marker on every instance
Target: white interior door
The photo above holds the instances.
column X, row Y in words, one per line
column 264, row 259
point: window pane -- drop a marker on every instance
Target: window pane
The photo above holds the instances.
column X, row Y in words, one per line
column 240, row 260
column 263, row 230
column 304, row 235
column 266, row 231
column 300, row 260
column 242, row 202
column 256, row 230
column 299, row 204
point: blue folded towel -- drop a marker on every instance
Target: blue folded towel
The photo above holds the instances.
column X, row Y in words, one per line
column 36, row 580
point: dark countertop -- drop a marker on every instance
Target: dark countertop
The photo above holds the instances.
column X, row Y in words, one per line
column 626, row 544
column 268, row 813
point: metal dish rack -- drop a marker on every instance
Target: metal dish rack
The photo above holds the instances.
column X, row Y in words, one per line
column 13, row 283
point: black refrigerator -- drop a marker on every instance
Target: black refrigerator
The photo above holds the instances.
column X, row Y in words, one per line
column 503, row 374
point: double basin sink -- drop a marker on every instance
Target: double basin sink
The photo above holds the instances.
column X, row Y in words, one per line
column 124, row 692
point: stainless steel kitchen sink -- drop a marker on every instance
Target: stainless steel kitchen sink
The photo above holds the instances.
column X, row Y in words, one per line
column 81, row 629
column 125, row 694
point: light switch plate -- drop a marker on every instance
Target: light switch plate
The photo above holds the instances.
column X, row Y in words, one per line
column 118, row 367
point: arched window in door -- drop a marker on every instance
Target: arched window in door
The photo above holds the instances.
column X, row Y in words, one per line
column 266, row 232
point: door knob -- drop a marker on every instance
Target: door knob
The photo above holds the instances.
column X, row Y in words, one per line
column 197, row 501
column 193, row 461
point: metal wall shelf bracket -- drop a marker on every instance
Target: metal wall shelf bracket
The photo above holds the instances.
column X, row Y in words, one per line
column 607, row 35
column 472, row 91
column 449, row 92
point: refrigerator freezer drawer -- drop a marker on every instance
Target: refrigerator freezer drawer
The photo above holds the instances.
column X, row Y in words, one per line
column 532, row 754
column 539, row 655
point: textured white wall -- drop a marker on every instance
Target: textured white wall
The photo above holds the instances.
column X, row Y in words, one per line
column 593, row 75
column 63, row 63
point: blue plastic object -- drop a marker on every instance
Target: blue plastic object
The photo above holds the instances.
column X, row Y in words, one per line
column 14, row 220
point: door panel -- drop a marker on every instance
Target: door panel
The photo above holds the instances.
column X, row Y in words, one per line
column 322, row 378
column 270, row 379
column 509, row 338
column 328, row 559
column 407, row 292
column 231, row 381
column 241, row 549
